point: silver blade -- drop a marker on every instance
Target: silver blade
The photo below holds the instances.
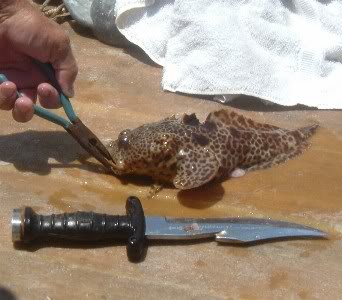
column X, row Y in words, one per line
column 228, row 230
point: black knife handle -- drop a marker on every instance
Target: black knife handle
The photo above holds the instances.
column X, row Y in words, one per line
column 84, row 226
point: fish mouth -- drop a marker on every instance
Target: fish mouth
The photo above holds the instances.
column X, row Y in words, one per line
column 118, row 168
column 116, row 171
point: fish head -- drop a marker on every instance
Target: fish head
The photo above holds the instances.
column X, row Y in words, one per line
column 145, row 150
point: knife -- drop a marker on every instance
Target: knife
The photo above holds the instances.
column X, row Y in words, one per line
column 135, row 228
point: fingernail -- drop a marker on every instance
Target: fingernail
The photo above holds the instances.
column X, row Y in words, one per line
column 70, row 92
column 24, row 108
column 43, row 91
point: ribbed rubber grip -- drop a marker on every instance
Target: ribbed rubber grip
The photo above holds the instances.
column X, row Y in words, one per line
column 86, row 226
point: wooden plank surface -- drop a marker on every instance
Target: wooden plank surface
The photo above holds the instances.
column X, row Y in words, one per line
column 41, row 166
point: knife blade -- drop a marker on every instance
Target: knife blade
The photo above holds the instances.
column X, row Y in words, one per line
column 136, row 228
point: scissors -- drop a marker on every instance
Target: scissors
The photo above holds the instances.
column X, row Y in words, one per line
column 74, row 126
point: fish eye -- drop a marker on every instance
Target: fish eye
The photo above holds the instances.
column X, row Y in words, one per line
column 123, row 140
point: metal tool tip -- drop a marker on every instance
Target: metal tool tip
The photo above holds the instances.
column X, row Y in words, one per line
column 17, row 225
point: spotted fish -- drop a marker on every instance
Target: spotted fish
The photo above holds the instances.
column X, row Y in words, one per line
column 189, row 153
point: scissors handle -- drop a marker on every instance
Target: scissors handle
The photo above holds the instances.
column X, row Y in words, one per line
column 50, row 74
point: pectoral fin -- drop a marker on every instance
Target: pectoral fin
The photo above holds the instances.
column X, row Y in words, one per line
column 195, row 168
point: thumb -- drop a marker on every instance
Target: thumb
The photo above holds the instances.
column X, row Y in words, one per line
column 64, row 64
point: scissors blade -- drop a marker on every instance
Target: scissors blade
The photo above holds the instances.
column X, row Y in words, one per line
column 228, row 230
column 90, row 142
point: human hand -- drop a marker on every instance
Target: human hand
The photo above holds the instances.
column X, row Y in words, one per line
column 25, row 34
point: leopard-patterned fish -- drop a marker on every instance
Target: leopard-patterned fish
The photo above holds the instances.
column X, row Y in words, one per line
column 189, row 153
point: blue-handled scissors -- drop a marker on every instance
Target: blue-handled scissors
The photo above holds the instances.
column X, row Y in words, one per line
column 81, row 133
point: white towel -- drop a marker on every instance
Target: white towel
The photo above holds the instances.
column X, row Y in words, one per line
column 287, row 52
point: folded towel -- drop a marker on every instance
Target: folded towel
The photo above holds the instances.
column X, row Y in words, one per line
column 287, row 52
column 284, row 51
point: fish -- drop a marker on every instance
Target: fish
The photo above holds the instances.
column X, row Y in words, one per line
column 187, row 153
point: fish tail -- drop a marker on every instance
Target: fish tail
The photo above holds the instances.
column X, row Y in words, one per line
column 307, row 131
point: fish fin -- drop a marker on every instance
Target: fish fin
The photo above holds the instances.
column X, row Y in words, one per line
column 190, row 120
column 238, row 172
column 195, row 168
column 280, row 158
column 226, row 118
column 296, row 144
column 307, row 132
column 155, row 188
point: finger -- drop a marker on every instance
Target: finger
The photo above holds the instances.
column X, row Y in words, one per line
column 65, row 65
column 23, row 109
column 66, row 78
column 7, row 95
column 48, row 96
